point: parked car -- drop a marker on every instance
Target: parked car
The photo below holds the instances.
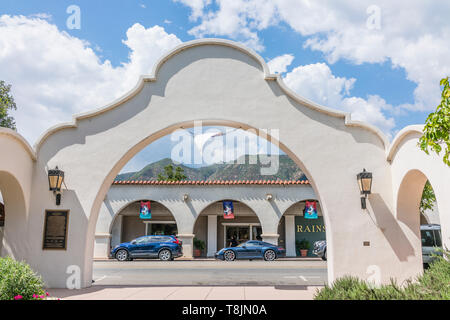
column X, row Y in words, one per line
column 430, row 235
column 163, row 247
column 320, row 249
column 431, row 243
column 252, row 249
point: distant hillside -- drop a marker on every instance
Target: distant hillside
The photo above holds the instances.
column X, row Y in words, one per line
column 288, row 170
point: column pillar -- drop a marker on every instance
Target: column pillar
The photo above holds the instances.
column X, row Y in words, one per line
column 270, row 238
column 212, row 235
column 289, row 227
column 188, row 244
column 116, row 231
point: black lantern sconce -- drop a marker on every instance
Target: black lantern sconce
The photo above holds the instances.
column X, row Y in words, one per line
column 365, row 185
column 55, row 181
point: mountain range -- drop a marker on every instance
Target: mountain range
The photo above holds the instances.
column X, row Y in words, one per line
column 236, row 170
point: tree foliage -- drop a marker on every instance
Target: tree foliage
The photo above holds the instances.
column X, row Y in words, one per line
column 436, row 132
column 170, row 175
column 428, row 198
column 6, row 105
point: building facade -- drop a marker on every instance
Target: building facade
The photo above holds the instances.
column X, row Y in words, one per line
column 194, row 209
column 217, row 82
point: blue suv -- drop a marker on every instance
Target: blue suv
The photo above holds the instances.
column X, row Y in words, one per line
column 163, row 247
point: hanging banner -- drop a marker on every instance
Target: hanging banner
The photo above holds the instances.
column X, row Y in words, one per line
column 310, row 211
column 145, row 211
column 228, row 212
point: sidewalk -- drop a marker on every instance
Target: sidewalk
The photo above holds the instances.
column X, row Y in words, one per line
column 98, row 292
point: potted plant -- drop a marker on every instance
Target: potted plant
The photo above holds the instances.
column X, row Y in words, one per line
column 199, row 246
column 304, row 246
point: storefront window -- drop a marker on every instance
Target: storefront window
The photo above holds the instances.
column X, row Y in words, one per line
column 166, row 229
column 242, row 234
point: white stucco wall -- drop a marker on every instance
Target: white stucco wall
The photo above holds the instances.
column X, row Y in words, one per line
column 411, row 168
column 221, row 83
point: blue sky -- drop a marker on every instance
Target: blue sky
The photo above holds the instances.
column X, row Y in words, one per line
column 387, row 75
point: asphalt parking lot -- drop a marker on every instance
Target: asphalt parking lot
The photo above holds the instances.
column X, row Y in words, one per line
column 210, row 272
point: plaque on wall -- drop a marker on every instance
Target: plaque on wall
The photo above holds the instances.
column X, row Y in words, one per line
column 55, row 229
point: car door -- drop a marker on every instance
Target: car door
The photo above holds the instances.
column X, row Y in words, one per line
column 247, row 250
column 254, row 250
column 150, row 249
column 427, row 244
column 137, row 249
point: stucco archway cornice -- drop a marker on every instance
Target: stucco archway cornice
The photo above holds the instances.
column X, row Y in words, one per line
column 14, row 135
column 401, row 135
column 219, row 42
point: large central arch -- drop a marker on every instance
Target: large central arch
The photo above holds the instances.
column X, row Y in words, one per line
column 218, row 82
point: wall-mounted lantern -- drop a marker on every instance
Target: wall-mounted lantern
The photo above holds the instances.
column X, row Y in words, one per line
column 365, row 185
column 55, row 181
column 185, row 197
column 269, row 197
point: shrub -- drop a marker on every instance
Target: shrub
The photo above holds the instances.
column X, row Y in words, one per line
column 433, row 284
column 18, row 281
column 199, row 244
column 304, row 245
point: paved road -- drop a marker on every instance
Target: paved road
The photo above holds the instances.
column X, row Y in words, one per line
column 210, row 273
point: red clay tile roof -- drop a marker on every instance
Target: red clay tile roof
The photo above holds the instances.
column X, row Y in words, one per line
column 210, row 182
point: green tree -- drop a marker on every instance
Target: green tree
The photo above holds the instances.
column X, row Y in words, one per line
column 436, row 132
column 428, row 198
column 6, row 104
column 170, row 175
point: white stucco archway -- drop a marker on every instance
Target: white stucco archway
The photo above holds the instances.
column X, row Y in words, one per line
column 412, row 168
column 221, row 82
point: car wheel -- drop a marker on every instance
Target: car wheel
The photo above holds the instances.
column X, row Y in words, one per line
column 324, row 257
column 270, row 255
column 122, row 255
column 165, row 255
column 229, row 255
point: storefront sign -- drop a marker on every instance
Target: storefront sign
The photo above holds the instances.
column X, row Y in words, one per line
column 228, row 211
column 311, row 230
column 145, row 211
column 55, row 230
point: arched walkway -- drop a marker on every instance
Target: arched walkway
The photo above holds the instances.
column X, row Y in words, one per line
column 119, row 222
column 211, row 227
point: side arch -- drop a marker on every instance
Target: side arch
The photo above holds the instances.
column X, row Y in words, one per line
column 411, row 168
column 16, row 171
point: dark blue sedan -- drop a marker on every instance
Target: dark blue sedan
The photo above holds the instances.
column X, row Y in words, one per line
column 252, row 249
column 163, row 247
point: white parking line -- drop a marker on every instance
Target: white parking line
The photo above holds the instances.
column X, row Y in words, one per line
column 300, row 277
column 104, row 277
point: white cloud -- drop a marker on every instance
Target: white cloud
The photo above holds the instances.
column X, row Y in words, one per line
column 413, row 34
column 316, row 82
column 55, row 75
column 279, row 64
column 196, row 6
column 237, row 19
